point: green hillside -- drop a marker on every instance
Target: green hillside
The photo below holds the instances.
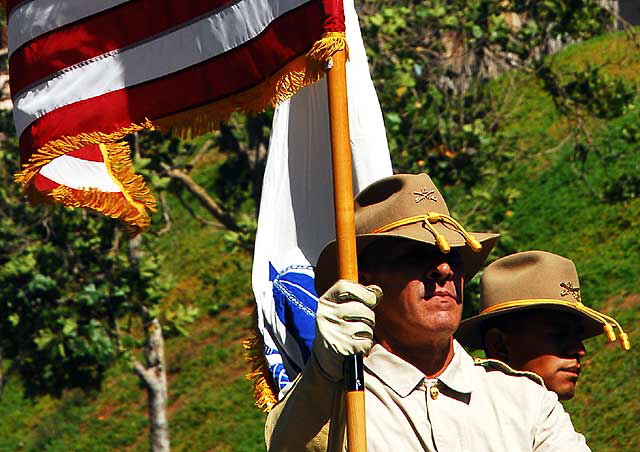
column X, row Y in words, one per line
column 590, row 212
column 583, row 206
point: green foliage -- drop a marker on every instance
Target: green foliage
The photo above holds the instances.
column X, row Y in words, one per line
column 206, row 368
column 217, row 422
column 155, row 151
column 63, row 291
column 430, row 62
column 177, row 318
column 589, row 91
column 433, row 64
column 623, row 188
column 67, row 282
column 584, row 206
column 228, row 173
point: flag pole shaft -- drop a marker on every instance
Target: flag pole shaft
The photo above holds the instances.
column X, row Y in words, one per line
column 345, row 236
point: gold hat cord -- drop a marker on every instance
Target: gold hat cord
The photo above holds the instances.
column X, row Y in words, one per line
column 429, row 219
column 608, row 321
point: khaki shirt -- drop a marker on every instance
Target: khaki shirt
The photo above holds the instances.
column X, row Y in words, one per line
column 472, row 407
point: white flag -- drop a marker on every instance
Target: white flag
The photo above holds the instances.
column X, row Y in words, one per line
column 296, row 210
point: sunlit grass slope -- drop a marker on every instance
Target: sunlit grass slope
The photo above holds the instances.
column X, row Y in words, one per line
column 588, row 211
column 211, row 403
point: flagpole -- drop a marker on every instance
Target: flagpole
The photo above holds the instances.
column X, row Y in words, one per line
column 345, row 236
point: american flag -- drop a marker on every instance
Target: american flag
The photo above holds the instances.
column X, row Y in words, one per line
column 85, row 73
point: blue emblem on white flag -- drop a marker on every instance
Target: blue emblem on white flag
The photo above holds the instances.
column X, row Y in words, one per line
column 277, row 370
column 296, row 302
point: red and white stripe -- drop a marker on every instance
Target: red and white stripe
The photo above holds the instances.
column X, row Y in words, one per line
column 48, row 15
column 82, row 66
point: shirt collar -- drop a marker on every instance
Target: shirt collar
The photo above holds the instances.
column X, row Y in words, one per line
column 402, row 377
column 459, row 373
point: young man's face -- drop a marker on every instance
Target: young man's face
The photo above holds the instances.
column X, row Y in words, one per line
column 422, row 301
column 549, row 344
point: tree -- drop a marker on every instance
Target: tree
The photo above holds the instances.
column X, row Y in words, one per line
column 231, row 196
column 431, row 61
column 76, row 296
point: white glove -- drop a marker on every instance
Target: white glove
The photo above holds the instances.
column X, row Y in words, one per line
column 344, row 324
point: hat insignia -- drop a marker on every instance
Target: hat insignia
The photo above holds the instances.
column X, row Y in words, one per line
column 570, row 290
column 425, row 194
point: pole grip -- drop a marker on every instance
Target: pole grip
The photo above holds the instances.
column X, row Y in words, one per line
column 353, row 373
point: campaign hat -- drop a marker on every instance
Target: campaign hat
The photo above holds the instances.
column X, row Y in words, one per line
column 532, row 280
column 406, row 206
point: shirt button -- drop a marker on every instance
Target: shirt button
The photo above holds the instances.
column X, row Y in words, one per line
column 433, row 392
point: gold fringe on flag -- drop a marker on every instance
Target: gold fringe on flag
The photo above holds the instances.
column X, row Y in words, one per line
column 297, row 74
column 300, row 72
column 262, row 382
column 116, row 155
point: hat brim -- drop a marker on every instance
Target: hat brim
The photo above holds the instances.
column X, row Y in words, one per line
column 469, row 333
column 326, row 270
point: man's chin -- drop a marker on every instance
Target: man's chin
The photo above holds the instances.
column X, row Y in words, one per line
column 566, row 391
column 566, row 396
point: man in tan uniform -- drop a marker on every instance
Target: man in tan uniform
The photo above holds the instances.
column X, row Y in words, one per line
column 422, row 390
column 532, row 318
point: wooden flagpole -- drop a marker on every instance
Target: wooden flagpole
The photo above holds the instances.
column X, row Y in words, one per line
column 346, row 237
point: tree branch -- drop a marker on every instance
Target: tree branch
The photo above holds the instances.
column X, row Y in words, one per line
column 2, row 374
column 166, row 214
column 203, row 197
column 141, row 371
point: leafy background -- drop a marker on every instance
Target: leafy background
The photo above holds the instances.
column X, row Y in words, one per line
column 540, row 146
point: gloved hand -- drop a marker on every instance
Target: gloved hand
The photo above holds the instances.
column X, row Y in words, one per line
column 344, row 324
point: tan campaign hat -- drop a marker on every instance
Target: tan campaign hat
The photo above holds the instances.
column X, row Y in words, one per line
column 534, row 280
column 411, row 207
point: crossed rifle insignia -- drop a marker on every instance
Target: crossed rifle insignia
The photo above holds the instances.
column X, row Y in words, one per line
column 569, row 289
column 425, row 194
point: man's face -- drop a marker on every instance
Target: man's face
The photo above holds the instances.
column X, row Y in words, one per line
column 422, row 301
column 549, row 344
